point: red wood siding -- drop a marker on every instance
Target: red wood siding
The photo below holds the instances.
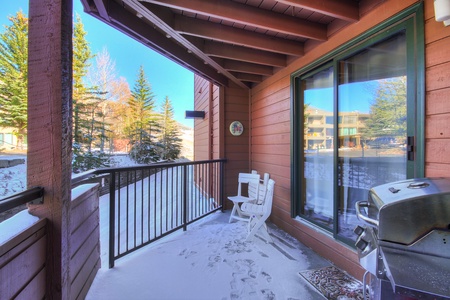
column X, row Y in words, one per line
column 212, row 139
column 237, row 148
column 216, row 113
column 265, row 144
column 437, row 85
column 270, row 140
column 201, row 126
column 208, row 136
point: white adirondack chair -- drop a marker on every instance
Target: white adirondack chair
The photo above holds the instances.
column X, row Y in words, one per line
column 253, row 182
column 259, row 213
column 261, row 190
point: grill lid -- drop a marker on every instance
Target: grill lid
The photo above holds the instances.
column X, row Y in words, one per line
column 407, row 210
column 405, row 190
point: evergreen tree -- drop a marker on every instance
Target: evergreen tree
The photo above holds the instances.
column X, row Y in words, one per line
column 169, row 136
column 14, row 76
column 142, row 123
column 142, row 106
column 87, row 114
column 388, row 111
column 81, row 61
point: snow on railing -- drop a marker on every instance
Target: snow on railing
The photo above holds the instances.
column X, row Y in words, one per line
column 12, row 226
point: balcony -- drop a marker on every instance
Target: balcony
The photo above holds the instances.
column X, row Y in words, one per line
column 212, row 260
column 168, row 239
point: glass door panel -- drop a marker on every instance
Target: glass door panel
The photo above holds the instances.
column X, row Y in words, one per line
column 372, row 119
column 318, row 177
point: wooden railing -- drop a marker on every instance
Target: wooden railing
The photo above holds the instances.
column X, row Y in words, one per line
column 23, row 255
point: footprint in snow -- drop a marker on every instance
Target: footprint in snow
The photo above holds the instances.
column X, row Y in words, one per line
column 186, row 253
column 266, row 276
column 268, row 294
column 263, row 254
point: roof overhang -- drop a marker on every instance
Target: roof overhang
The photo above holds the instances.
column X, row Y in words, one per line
column 238, row 41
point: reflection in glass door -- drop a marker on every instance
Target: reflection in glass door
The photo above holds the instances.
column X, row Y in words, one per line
column 372, row 119
column 318, row 177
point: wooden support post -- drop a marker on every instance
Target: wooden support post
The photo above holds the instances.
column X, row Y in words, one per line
column 50, row 130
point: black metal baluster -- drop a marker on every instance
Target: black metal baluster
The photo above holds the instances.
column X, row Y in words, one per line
column 185, row 212
column 167, row 198
column 148, row 208
column 127, row 211
column 118, row 215
column 142, row 206
column 160, row 203
column 135, row 208
column 112, row 218
column 154, row 201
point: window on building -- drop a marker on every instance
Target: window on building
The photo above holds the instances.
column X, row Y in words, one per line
column 369, row 94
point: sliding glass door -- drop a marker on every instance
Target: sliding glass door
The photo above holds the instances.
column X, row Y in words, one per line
column 357, row 123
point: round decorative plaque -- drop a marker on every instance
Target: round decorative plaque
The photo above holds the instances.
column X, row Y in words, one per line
column 236, row 128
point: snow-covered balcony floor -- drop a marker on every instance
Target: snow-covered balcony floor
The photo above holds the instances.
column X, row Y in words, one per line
column 212, row 260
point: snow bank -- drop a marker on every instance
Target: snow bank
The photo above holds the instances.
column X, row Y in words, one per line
column 13, row 180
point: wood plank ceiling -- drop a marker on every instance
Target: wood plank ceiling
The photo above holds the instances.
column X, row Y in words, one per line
column 242, row 41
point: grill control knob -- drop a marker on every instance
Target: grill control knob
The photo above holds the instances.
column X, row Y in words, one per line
column 358, row 230
column 361, row 244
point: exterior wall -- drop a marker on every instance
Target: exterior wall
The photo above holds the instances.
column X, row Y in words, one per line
column 216, row 112
column 201, row 126
column 207, row 133
column 269, row 108
column 270, row 120
column 236, row 148
column 437, row 85
column 212, row 139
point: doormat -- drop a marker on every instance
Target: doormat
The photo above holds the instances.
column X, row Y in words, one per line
column 334, row 284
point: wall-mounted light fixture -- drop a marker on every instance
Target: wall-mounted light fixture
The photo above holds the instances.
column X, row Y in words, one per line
column 442, row 11
column 195, row 114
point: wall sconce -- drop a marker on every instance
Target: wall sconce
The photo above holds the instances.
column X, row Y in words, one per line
column 195, row 114
column 442, row 11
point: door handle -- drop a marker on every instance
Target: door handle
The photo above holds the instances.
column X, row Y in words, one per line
column 410, row 148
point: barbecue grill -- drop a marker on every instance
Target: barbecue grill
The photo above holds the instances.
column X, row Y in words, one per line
column 405, row 242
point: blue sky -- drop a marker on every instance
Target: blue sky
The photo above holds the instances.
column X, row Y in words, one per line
column 356, row 96
column 166, row 77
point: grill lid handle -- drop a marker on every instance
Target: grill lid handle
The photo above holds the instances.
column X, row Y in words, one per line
column 358, row 206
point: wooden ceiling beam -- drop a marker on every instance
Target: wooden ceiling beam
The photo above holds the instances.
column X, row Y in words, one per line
column 158, row 23
column 249, row 68
column 249, row 15
column 129, row 24
column 222, row 33
column 101, row 7
column 244, row 54
column 248, row 77
column 343, row 9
